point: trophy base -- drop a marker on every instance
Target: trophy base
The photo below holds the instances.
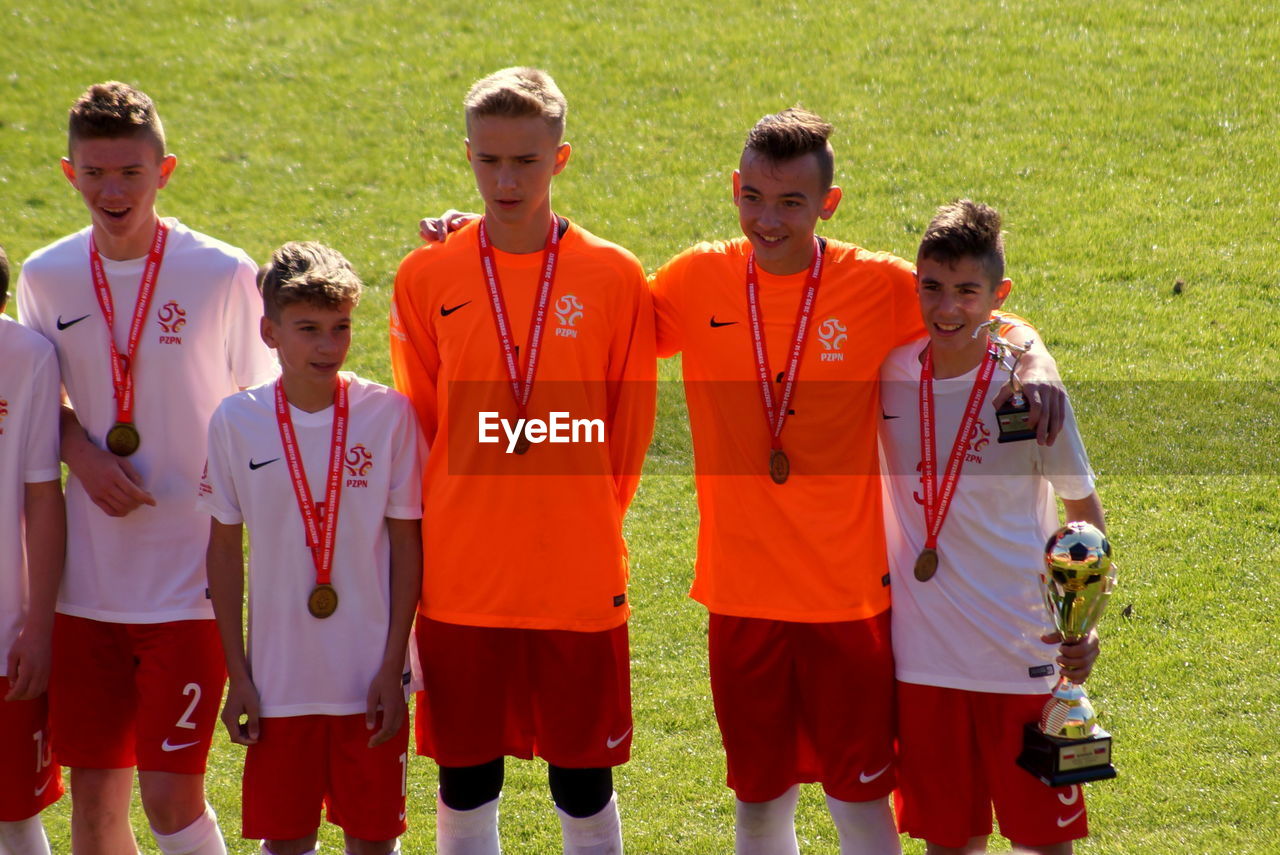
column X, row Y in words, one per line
column 1060, row 762
column 1012, row 422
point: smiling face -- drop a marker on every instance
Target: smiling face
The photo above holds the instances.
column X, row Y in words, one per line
column 779, row 205
column 955, row 299
column 311, row 342
column 118, row 178
column 514, row 160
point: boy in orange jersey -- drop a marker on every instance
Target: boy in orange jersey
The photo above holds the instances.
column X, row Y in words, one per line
column 791, row 546
column 524, row 318
column 32, row 536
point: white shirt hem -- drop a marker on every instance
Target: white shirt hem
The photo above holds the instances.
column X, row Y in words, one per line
column 205, row 613
column 1032, row 686
column 294, row 710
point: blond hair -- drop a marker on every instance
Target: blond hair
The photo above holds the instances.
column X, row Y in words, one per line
column 518, row 92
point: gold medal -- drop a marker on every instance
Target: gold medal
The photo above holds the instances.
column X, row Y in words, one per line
column 522, row 444
column 123, row 439
column 926, row 564
column 323, row 601
column 779, row 466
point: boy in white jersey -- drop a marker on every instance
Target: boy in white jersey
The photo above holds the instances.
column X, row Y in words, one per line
column 323, row 469
column 153, row 324
column 971, row 659
column 32, row 534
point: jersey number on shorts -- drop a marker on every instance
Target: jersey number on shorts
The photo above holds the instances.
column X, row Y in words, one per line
column 404, row 781
column 44, row 751
column 184, row 720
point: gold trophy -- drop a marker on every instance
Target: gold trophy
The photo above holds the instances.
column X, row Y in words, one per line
column 1067, row 746
column 1013, row 414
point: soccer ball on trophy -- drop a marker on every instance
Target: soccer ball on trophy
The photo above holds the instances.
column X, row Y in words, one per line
column 1067, row 746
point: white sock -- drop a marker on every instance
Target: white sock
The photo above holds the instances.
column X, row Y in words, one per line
column 201, row 837
column 467, row 832
column 865, row 828
column 598, row 834
column 767, row 828
column 24, row 837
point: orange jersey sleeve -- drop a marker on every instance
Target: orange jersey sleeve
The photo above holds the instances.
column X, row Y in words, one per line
column 527, row 540
column 811, row 549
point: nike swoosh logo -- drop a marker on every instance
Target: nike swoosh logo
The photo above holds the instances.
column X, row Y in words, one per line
column 1063, row 823
column 867, row 779
column 63, row 325
column 253, row 465
column 40, row 789
column 165, row 746
column 614, row 743
column 886, row 416
column 444, row 313
column 715, row 323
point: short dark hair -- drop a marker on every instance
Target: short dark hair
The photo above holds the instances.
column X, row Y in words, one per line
column 966, row 229
column 113, row 109
column 4, row 277
column 793, row 133
column 307, row 272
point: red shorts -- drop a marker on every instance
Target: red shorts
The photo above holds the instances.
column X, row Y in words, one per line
column 957, row 753
column 303, row 763
column 804, row 702
column 30, row 779
column 564, row 696
column 142, row 695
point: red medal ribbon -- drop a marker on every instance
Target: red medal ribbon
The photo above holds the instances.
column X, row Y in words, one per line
column 777, row 415
column 321, row 542
column 122, row 368
column 521, row 388
column 936, row 505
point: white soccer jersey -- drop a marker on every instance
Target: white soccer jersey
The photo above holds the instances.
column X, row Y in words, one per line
column 200, row 343
column 976, row 624
column 304, row 665
column 28, row 455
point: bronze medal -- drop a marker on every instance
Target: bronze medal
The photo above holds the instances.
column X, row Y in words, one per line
column 926, row 564
column 323, row 601
column 522, row 444
column 779, row 466
column 123, row 439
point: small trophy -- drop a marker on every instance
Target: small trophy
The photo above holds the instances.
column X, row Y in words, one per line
column 1067, row 746
column 1013, row 414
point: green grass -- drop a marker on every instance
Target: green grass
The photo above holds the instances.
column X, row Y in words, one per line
column 1129, row 144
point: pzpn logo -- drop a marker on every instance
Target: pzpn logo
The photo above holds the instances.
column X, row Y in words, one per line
column 359, row 461
column 568, row 311
column 832, row 334
column 172, row 318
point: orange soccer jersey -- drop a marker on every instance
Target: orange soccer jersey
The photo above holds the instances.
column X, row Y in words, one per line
column 526, row 540
column 812, row 549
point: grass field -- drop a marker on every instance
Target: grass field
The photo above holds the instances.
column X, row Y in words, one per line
column 1129, row 145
